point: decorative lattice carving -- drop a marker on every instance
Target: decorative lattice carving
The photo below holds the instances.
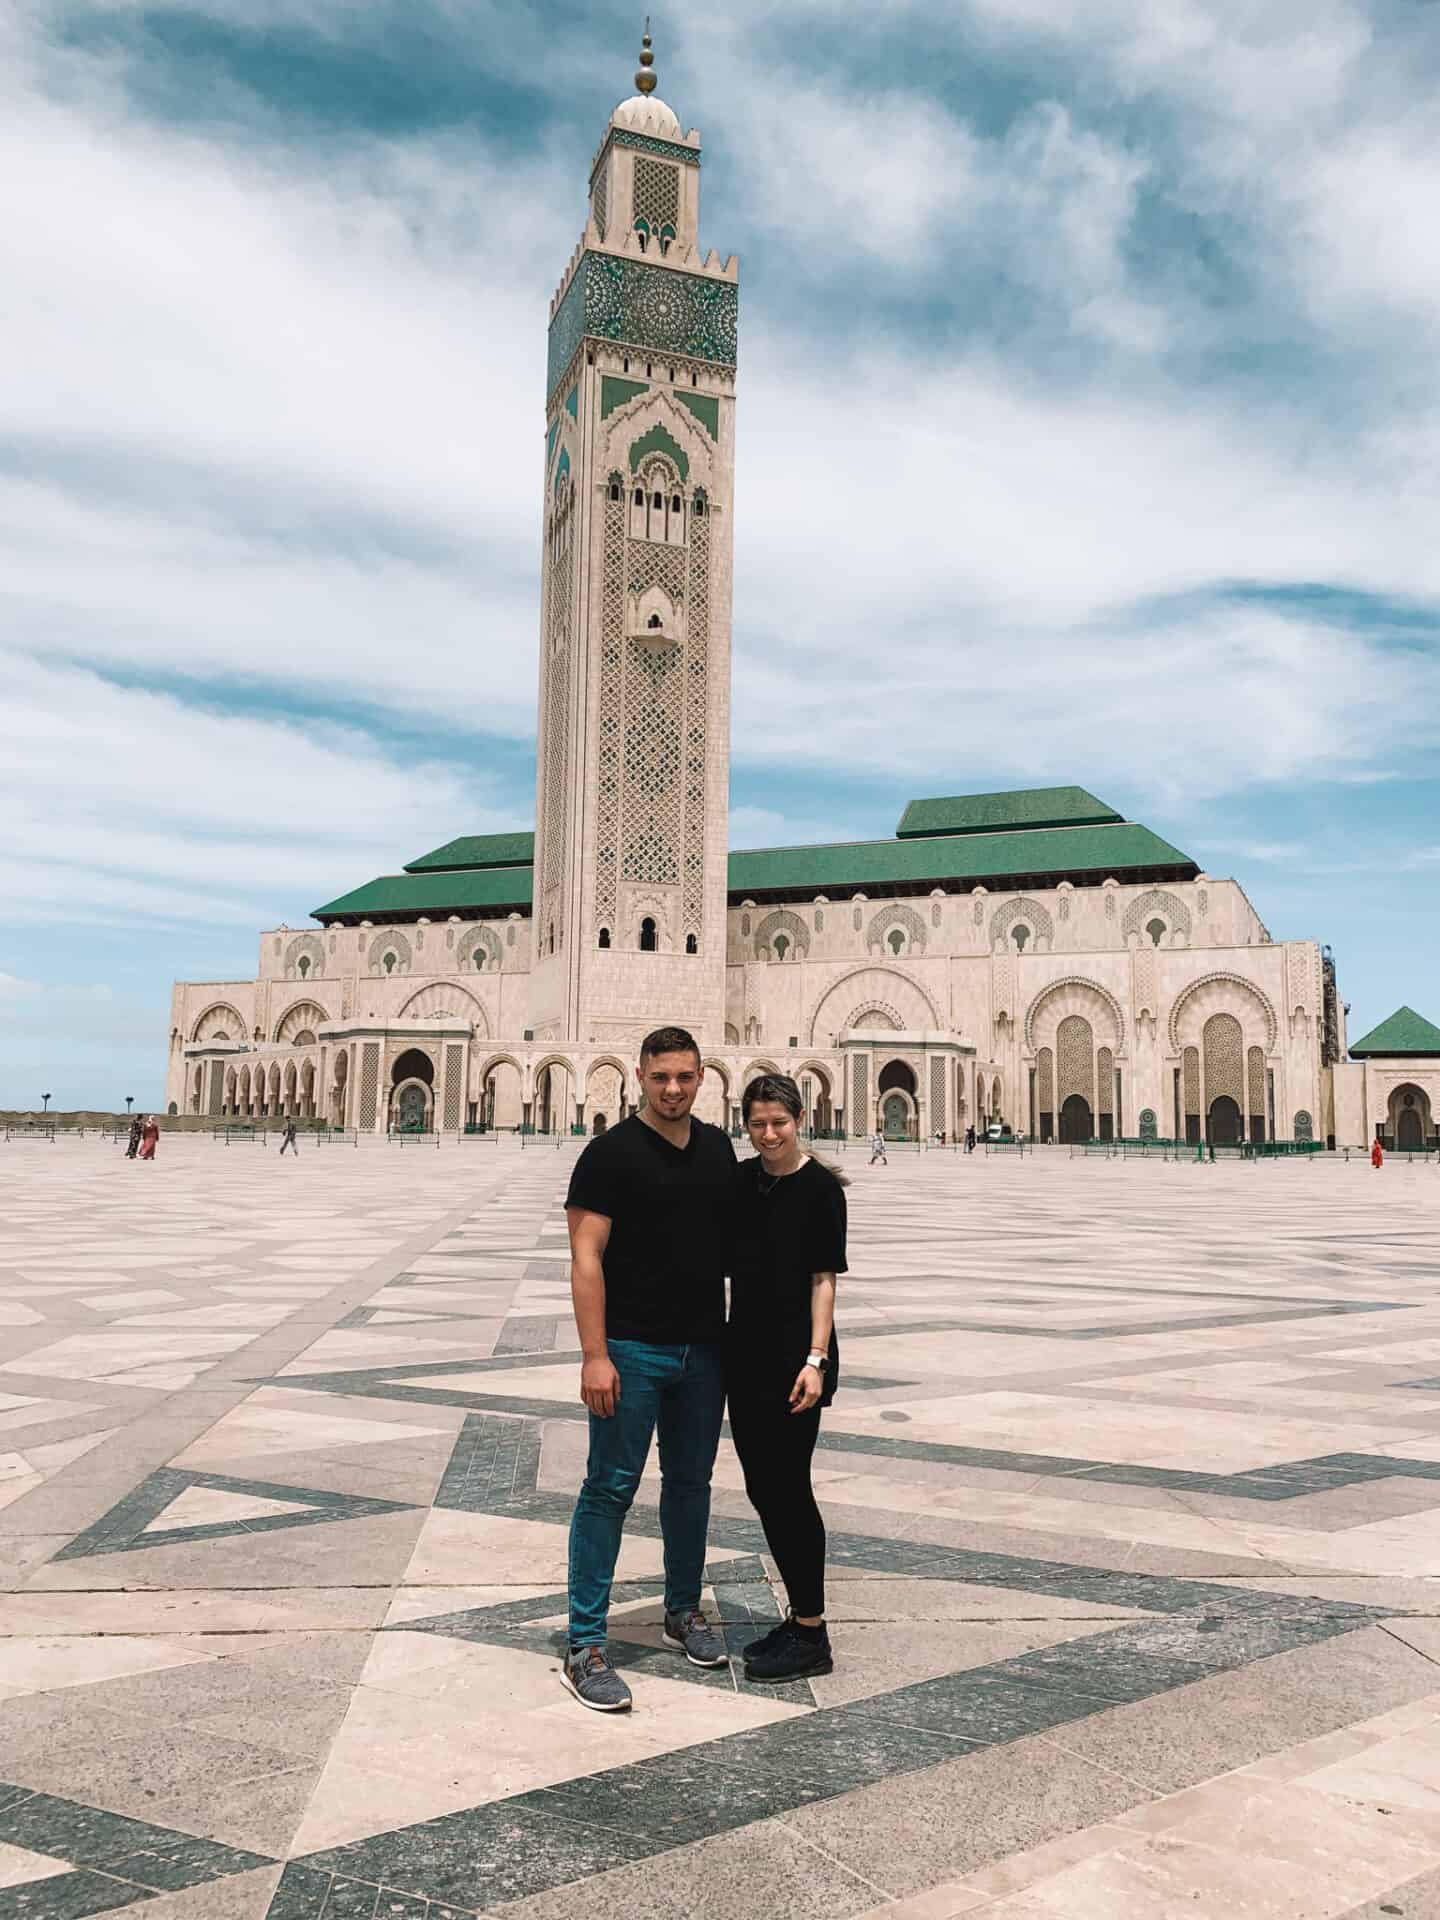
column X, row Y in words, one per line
column 889, row 988
column 305, row 947
column 1045, row 1079
column 657, row 194
column 1156, row 901
column 1304, row 1126
column 454, row 1085
column 1255, row 1062
column 444, row 1000
column 937, row 1093
column 600, row 200
column 390, row 940
column 369, row 1083
column 218, row 1023
column 302, row 1016
column 1105, row 1081
column 1075, row 1058
column 859, row 1095
column 935, row 913
column 1224, row 1059
column 890, row 919
column 1190, row 1077
column 789, row 925
column 1246, row 991
column 1016, row 912
column 652, row 793
column 1074, row 988
column 697, row 701
column 480, row 949
column 612, row 713
column 555, row 724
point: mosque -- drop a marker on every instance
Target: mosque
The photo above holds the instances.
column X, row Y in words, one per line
column 1028, row 959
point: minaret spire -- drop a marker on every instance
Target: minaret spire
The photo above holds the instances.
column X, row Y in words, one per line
column 645, row 80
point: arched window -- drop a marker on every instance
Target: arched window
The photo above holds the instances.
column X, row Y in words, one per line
column 639, row 500
column 654, row 623
column 895, row 939
column 657, row 501
column 642, row 232
column 389, row 962
column 675, row 504
column 1020, row 933
column 479, row 958
column 302, row 966
column 782, row 946
column 604, row 941
column 614, row 489
column 648, row 941
column 692, row 945
column 1156, row 931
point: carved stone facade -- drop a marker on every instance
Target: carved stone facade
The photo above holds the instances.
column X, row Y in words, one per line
column 1036, row 961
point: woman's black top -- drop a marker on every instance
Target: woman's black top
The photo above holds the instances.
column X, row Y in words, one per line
column 785, row 1231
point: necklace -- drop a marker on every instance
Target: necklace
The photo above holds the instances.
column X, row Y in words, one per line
column 767, row 1183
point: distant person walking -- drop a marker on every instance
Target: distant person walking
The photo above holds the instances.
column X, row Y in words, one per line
column 136, row 1125
column 149, row 1137
column 969, row 1139
column 877, row 1148
column 289, row 1139
column 1377, row 1155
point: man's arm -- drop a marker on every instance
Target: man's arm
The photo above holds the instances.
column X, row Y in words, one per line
column 589, row 1237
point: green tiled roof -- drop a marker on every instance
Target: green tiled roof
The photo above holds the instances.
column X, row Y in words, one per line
column 405, row 895
column 997, row 812
column 877, row 864
column 1404, row 1032
column 477, row 850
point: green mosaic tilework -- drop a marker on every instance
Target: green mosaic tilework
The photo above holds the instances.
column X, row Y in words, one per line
column 656, row 308
column 550, row 432
column 657, row 440
column 615, row 392
column 645, row 143
column 706, row 409
column 572, row 403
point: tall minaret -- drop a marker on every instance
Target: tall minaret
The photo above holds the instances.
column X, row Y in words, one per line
column 634, row 727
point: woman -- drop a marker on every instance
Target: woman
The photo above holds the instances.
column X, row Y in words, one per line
column 782, row 1359
column 150, row 1137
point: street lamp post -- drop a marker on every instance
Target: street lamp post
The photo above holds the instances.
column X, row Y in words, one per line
column 129, row 1101
column 46, row 1098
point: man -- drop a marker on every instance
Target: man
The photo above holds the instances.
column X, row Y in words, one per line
column 289, row 1139
column 648, row 1209
column 877, row 1148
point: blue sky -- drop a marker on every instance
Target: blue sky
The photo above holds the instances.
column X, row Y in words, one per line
column 1089, row 431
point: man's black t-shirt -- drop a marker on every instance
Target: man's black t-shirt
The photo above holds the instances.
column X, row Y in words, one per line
column 669, row 1210
column 785, row 1231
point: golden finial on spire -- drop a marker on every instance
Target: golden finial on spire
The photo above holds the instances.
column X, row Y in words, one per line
column 645, row 81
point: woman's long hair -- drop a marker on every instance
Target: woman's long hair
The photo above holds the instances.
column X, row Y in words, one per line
column 780, row 1088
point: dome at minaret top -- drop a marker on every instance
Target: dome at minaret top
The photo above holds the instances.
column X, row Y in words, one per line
column 644, row 111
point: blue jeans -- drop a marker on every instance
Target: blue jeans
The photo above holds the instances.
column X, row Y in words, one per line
column 681, row 1392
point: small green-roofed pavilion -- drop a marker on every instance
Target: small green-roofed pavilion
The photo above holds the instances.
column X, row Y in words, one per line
column 1001, row 812
column 477, row 850
column 1405, row 1032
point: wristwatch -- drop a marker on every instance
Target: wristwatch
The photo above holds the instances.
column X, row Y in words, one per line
column 820, row 1361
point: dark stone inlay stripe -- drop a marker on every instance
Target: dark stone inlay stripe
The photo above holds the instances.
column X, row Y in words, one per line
column 122, row 1529
column 530, row 1334
column 117, row 1860
column 494, row 1461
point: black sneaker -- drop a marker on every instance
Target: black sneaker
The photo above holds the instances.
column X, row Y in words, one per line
column 793, row 1654
column 766, row 1640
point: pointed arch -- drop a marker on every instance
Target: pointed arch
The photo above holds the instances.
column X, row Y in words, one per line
column 219, row 1017
column 298, row 1017
column 887, row 988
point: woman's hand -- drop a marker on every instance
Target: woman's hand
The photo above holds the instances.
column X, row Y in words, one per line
column 806, row 1392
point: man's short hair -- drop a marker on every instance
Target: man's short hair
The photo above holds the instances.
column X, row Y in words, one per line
column 669, row 1040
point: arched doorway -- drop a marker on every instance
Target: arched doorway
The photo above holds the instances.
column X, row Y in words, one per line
column 412, row 1081
column 897, row 1091
column 1077, row 1122
column 1225, row 1130
column 1409, row 1118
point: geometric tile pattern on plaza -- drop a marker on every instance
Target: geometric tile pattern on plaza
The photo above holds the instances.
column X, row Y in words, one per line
column 1134, row 1550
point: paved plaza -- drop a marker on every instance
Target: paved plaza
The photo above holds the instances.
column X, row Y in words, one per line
column 1133, row 1487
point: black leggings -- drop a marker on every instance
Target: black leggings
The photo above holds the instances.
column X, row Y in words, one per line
column 774, row 1446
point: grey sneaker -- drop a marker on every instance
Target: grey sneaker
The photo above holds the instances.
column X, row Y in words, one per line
column 692, row 1635
column 588, row 1674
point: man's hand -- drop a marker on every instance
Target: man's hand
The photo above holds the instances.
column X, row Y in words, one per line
column 600, row 1385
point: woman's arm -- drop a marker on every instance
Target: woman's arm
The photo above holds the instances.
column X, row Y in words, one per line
column 810, row 1382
